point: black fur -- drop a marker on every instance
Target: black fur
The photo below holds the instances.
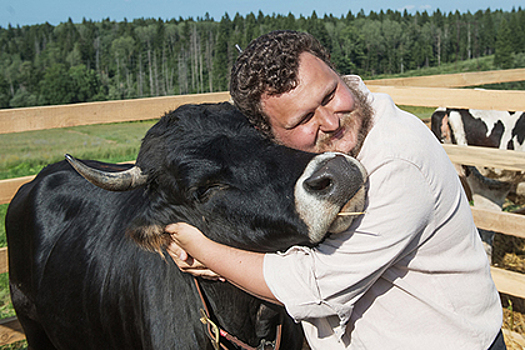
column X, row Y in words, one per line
column 79, row 282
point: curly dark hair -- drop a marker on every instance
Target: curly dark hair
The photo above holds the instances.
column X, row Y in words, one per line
column 269, row 65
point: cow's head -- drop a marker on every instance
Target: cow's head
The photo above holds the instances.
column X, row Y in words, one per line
column 440, row 126
column 207, row 166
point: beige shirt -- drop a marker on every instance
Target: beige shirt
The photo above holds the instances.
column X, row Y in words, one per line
column 409, row 274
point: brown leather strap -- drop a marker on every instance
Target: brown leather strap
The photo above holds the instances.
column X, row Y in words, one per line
column 215, row 333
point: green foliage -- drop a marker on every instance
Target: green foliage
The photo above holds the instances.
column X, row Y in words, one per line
column 23, row 98
column 20, row 345
column 92, row 61
column 56, row 87
column 86, row 85
column 504, row 50
column 4, row 92
column 63, row 86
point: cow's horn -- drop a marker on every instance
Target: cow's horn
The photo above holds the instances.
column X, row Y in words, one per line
column 112, row 181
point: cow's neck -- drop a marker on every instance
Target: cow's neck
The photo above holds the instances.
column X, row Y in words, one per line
column 230, row 308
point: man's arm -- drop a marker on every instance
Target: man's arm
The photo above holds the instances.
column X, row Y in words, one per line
column 241, row 268
column 186, row 263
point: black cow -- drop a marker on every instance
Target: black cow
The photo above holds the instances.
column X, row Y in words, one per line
column 88, row 268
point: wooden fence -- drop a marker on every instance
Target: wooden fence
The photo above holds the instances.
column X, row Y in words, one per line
column 431, row 91
column 456, row 80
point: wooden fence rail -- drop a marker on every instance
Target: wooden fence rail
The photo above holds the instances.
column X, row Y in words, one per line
column 489, row 157
column 9, row 187
column 402, row 91
column 414, row 91
column 456, row 80
column 50, row 117
column 498, row 100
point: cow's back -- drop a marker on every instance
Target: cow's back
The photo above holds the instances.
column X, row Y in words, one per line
column 58, row 209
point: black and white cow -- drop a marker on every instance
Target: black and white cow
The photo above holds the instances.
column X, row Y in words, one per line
column 80, row 277
column 496, row 129
column 486, row 187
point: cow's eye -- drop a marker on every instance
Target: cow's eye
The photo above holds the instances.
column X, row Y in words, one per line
column 204, row 193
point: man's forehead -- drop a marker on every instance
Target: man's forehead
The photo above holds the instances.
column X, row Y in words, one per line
column 315, row 80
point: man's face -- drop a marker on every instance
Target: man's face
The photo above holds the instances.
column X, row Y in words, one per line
column 319, row 114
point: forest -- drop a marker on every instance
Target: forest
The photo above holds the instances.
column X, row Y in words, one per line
column 108, row 60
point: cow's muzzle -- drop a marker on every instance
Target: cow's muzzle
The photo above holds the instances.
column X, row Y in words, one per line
column 332, row 182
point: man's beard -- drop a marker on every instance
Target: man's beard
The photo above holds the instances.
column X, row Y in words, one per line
column 362, row 113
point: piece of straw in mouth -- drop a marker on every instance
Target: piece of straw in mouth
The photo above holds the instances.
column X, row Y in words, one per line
column 350, row 213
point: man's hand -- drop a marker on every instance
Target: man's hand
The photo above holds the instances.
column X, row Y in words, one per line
column 182, row 259
column 243, row 269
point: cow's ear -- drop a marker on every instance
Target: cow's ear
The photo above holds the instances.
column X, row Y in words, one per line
column 148, row 235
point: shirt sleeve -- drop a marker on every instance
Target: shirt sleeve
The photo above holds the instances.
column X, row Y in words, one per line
column 327, row 280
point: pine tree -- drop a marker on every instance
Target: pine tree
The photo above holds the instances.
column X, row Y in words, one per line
column 487, row 35
column 520, row 31
column 503, row 57
column 221, row 62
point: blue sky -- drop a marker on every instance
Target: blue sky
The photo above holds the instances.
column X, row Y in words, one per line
column 26, row 12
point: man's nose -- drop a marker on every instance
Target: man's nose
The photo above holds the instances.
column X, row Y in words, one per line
column 328, row 120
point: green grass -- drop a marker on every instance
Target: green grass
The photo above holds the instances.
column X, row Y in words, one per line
column 6, row 307
column 20, row 345
column 27, row 153
column 3, row 211
column 420, row 112
column 473, row 65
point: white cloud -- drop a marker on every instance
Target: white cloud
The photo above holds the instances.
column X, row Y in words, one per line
column 409, row 8
column 413, row 8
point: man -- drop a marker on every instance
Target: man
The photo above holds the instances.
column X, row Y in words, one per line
column 409, row 274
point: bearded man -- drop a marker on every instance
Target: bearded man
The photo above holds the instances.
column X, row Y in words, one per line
column 411, row 272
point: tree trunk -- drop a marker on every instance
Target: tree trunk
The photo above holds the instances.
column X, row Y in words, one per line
column 151, row 90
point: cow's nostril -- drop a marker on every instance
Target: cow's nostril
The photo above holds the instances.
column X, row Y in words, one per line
column 318, row 183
